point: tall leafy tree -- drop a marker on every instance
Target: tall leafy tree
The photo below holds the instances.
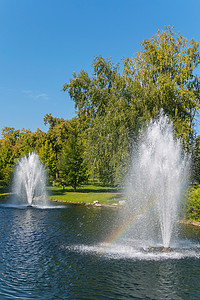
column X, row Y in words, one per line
column 6, row 162
column 113, row 106
column 102, row 109
column 9, row 151
column 48, row 158
column 72, row 168
column 56, row 135
column 163, row 75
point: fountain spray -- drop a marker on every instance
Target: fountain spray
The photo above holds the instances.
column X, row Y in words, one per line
column 157, row 180
column 29, row 181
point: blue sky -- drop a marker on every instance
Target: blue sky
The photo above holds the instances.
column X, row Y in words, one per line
column 42, row 42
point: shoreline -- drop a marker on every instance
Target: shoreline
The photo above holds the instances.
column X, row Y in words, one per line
column 94, row 204
column 191, row 223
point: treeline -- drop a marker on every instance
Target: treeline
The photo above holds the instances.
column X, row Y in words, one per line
column 61, row 151
column 113, row 104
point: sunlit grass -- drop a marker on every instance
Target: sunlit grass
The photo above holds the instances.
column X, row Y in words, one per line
column 83, row 194
column 86, row 194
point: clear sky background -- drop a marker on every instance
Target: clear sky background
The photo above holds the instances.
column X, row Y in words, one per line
column 42, row 42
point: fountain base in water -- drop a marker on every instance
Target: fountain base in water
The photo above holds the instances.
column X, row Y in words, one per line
column 159, row 249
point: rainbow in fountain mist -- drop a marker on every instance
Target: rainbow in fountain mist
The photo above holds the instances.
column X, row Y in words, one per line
column 157, row 179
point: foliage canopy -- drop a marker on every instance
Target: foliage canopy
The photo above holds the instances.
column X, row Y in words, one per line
column 114, row 106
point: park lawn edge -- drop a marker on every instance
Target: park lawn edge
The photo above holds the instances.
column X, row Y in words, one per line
column 190, row 222
column 92, row 198
column 86, row 195
column 78, row 199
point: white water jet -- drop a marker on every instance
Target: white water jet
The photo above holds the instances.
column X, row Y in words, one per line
column 29, row 181
column 156, row 182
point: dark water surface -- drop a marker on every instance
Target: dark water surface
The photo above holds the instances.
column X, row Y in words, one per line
column 60, row 253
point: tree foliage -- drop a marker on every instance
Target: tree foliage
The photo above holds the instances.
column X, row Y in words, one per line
column 113, row 106
column 49, row 146
column 192, row 206
column 48, row 157
column 71, row 165
column 164, row 77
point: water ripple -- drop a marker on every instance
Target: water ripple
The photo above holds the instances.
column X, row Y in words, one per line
column 60, row 254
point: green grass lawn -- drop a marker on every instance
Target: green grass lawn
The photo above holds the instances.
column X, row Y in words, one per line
column 83, row 194
column 86, row 194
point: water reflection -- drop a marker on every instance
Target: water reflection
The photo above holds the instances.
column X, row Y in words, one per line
column 55, row 253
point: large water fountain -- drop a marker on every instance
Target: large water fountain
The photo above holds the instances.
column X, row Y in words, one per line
column 29, row 181
column 156, row 182
column 146, row 226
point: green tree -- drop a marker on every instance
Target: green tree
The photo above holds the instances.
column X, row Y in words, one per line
column 57, row 135
column 48, row 158
column 72, row 168
column 9, row 152
column 6, row 162
column 192, row 205
column 114, row 106
column 10, row 134
column 195, row 162
column 25, row 142
column 162, row 75
column 104, row 113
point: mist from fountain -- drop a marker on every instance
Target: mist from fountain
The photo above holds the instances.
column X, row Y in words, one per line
column 29, row 183
column 158, row 176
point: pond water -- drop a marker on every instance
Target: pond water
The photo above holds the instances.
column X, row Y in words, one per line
column 61, row 253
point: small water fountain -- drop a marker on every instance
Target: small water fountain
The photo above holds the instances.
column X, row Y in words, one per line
column 29, row 181
column 156, row 181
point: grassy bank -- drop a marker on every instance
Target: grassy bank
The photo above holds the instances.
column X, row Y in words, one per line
column 86, row 194
column 4, row 193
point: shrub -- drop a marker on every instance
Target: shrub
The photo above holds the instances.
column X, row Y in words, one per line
column 192, row 206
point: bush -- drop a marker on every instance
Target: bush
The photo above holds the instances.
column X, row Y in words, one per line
column 192, row 207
